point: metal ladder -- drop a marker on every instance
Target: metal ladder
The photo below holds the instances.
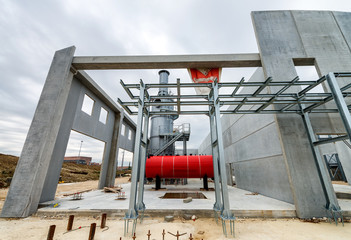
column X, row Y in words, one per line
column 173, row 140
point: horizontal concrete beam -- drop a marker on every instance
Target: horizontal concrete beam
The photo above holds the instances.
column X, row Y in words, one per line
column 167, row 61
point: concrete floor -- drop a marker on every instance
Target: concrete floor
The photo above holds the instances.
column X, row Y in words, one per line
column 242, row 203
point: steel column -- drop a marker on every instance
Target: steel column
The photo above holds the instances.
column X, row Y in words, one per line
column 340, row 102
column 332, row 202
column 143, row 156
column 218, row 206
column 132, row 212
column 184, row 146
column 226, row 213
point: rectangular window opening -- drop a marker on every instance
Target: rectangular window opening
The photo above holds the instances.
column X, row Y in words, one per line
column 88, row 105
column 103, row 115
column 123, row 130
column 309, row 73
column 130, row 134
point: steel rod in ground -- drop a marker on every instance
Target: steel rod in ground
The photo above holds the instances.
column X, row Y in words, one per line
column 103, row 220
column 70, row 222
column 163, row 234
column 92, row 231
column 51, row 232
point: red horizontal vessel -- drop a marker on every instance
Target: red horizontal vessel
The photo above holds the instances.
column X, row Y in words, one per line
column 179, row 166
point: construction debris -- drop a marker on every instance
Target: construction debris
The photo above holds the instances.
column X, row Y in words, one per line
column 113, row 189
column 121, row 196
column 169, row 218
column 72, row 194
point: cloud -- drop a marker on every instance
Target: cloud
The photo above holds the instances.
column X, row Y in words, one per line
column 31, row 32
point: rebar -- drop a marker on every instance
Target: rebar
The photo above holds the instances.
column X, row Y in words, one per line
column 51, row 232
column 163, row 234
column 177, row 235
column 70, row 222
column 92, row 231
column 103, row 220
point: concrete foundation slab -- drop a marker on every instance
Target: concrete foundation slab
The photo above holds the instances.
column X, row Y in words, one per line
column 243, row 203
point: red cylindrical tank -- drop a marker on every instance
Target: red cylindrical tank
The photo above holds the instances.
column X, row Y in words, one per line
column 179, row 166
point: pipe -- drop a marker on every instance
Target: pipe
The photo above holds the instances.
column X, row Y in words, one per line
column 163, row 80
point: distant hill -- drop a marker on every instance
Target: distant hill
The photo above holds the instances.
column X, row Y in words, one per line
column 71, row 172
column 7, row 168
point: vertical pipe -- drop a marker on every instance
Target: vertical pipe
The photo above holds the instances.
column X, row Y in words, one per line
column 92, row 231
column 163, row 91
column 70, row 222
column 51, row 232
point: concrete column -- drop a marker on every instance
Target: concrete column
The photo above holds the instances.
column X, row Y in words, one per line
column 113, row 154
column 32, row 168
column 54, row 170
column 279, row 43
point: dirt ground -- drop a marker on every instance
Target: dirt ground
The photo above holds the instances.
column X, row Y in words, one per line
column 203, row 228
column 264, row 229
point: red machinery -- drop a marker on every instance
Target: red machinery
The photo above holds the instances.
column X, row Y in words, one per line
column 179, row 167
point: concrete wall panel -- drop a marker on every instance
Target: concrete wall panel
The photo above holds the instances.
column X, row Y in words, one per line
column 305, row 184
column 253, row 176
column 260, row 144
column 343, row 20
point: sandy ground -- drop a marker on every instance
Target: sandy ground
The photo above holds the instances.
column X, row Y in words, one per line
column 37, row 228
column 203, row 228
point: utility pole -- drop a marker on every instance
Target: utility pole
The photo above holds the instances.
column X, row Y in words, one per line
column 122, row 159
column 80, row 148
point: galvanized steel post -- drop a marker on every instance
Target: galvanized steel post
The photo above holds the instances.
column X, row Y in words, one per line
column 132, row 212
column 226, row 213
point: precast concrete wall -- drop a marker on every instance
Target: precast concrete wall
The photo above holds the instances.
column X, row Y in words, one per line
column 252, row 147
column 271, row 154
column 58, row 112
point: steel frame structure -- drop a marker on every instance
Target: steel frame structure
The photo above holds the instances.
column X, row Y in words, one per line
column 296, row 102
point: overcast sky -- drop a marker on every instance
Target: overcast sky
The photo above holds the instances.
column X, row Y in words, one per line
column 31, row 31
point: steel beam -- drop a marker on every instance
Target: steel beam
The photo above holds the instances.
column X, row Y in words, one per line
column 330, row 140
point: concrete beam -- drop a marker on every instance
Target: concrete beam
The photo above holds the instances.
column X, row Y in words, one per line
column 167, row 61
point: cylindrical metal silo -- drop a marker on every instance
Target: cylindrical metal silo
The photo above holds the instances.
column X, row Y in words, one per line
column 162, row 125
